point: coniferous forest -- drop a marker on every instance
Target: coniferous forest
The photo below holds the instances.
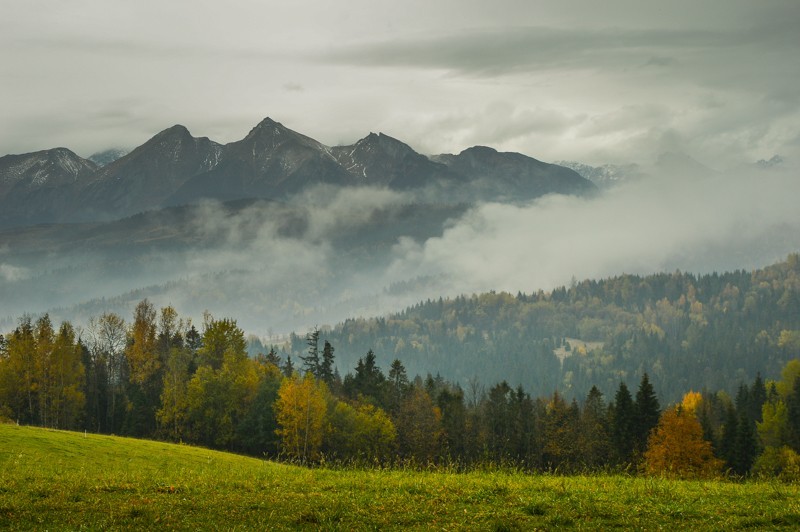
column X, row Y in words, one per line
column 670, row 374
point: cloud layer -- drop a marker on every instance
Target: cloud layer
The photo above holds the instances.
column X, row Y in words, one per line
column 694, row 223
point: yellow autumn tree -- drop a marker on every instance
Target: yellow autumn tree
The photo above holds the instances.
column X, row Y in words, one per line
column 141, row 352
column 300, row 411
column 691, row 402
column 676, row 447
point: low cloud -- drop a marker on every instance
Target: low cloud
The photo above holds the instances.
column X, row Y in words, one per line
column 329, row 254
column 698, row 224
column 9, row 273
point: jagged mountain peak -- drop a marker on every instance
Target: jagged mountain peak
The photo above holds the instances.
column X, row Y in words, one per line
column 269, row 136
column 177, row 130
column 44, row 167
column 379, row 159
column 174, row 143
column 387, row 144
column 272, row 161
column 35, row 185
column 269, row 128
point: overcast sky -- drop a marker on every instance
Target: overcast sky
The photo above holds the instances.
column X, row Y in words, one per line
column 611, row 81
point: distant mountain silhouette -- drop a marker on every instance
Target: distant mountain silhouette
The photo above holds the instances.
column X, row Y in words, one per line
column 271, row 162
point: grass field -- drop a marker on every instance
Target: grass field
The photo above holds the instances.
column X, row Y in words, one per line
column 61, row 480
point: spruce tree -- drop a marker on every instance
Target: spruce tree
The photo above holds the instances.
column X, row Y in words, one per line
column 727, row 443
column 311, row 363
column 745, row 446
column 326, row 366
column 398, row 386
column 288, row 367
column 758, row 396
column 622, row 413
column 648, row 412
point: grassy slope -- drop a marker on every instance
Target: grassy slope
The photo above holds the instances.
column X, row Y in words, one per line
column 62, row 480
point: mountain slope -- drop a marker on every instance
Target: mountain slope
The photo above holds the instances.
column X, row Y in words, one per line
column 687, row 332
column 143, row 178
column 379, row 159
column 507, row 175
column 271, row 162
column 34, row 185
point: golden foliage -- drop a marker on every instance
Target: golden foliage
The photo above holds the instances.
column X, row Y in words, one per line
column 676, row 448
column 691, row 402
column 300, row 411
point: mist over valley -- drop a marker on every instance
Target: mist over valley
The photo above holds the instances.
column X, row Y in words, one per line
column 300, row 250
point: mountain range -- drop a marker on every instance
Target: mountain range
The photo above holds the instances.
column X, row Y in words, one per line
column 271, row 162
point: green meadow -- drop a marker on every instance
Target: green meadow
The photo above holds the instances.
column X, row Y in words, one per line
column 65, row 480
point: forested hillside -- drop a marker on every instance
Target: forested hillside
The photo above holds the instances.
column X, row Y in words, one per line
column 160, row 377
column 686, row 331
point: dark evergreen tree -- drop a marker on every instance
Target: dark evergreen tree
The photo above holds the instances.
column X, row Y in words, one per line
column 311, row 361
column 326, row 366
column 273, row 358
column 367, row 382
column 499, row 421
column 745, row 447
column 398, row 386
column 288, row 367
column 647, row 414
column 528, row 428
column 727, row 444
column 758, row 396
column 594, row 438
column 256, row 433
column 451, row 404
column 623, row 424
column 194, row 340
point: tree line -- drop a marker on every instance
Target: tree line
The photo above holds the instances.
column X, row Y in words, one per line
column 160, row 377
column 685, row 331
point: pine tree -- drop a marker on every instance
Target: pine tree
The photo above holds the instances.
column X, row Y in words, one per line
column 745, row 446
column 451, row 404
column 727, row 443
column 595, row 441
column 368, row 380
column 326, row 366
column 758, row 396
column 623, row 424
column 311, row 362
column 398, row 386
column 647, row 414
column 288, row 367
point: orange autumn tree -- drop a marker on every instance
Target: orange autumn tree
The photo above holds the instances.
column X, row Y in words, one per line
column 676, row 447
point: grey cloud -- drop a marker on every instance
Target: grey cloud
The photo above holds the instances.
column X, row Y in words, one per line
column 502, row 50
column 660, row 61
